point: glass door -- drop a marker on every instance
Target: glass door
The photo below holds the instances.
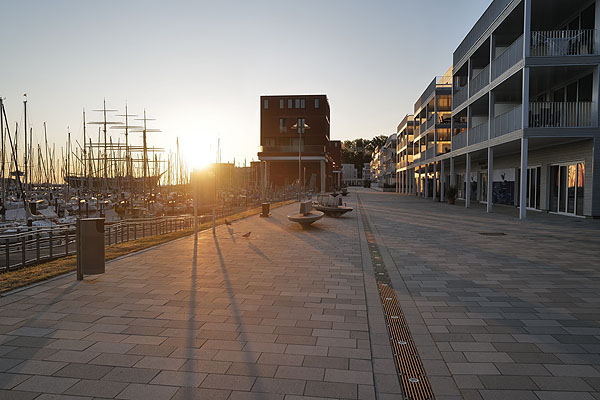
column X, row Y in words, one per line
column 567, row 184
column 532, row 197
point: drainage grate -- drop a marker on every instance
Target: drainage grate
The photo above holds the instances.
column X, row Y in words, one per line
column 415, row 384
column 492, row 233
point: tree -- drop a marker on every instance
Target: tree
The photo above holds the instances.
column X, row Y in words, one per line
column 359, row 151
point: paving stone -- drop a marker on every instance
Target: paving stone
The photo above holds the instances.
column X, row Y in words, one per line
column 37, row 367
column 331, row 389
column 46, row 384
column 131, row 375
column 137, row 391
column 230, row 382
column 83, row 371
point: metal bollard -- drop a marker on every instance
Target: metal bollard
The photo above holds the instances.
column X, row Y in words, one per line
column 50, row 235
column 7, row 249
column 23, row 242
column 37, row 246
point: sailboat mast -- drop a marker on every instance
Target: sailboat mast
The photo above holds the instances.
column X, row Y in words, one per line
column 3, row 152
column 25, row 133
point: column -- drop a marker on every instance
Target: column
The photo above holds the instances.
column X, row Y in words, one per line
column 468, row 181
column 490, row 178
column 434, row 181
column 442, row 181
column 426, row 188
column 323, row 177
column 452, row 176
column 523, row 179
column 419, row 182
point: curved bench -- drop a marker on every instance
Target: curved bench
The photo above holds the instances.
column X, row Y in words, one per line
column 306, row 217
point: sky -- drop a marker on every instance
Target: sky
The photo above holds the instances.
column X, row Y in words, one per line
column 200, row 67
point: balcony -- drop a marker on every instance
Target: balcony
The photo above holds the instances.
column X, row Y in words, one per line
column 430, row 153
column 478, row 133
column 511, row 56
column 305, row 149
column 508, row 122
column 564, row 43
column 460, row 96
column 459, row 141
column 480, row 80
column 561, row 114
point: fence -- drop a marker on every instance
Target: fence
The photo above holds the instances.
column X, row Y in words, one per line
column 34, row 245
column 561, row 114
column 508, row 122
column 564, row 42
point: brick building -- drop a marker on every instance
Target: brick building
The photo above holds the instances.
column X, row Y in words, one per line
column 293, row 121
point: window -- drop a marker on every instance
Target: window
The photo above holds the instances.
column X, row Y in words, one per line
column 265, row 104
column 281, row 103
column 290, row 103
column 301, row 125
column 316, row 103
column 302, row 103
column 297, row 103
column 282, row 125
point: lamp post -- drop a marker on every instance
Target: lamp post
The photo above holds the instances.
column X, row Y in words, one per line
column 300, row 126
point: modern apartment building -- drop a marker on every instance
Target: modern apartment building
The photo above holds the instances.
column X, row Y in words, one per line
column 293, row 123
column 522, row 129
column 388, row 161
column 404, row 152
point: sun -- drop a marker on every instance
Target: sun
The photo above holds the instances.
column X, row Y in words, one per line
column 197, row 152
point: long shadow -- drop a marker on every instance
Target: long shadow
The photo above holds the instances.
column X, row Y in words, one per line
column 259, row 252
column 458, row 284
column 247, row 350
column 192, row 313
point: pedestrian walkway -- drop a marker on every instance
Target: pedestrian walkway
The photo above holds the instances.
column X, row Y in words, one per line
column 497, row 308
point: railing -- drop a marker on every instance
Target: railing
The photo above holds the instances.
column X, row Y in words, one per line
column 423, row 127
column 480, row 80
column 36, row 245
column 460, row 96
column 430, row 153
column 508, row 122
column 564, row 43
column 511, row 56
column 306, row 148
column 430, row 121
column 478, row 133
column 561, row 114
column 459, row 141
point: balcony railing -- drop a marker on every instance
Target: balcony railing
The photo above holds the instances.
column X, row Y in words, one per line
column 430, row 121
column 423, row 127
column 508, row 122
column 308, row 148
column 430, row 153
column 480, row 80
column 459, row 141
column 511, row 56
column 478, row 133
column 561, row 114
column 460, row 96
column 564, row 43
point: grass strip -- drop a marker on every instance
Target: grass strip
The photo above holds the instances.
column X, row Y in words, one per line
column 40, row 272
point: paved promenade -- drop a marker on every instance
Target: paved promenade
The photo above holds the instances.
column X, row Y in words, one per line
column 498, row 309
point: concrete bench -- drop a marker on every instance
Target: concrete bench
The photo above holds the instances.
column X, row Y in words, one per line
column 306, row 216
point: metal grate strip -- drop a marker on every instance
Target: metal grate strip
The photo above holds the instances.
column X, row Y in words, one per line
column 411, row 373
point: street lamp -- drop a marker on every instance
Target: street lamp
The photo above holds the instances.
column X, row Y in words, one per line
column 301, row 127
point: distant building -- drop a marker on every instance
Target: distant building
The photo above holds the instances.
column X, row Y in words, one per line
column 290, row 122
